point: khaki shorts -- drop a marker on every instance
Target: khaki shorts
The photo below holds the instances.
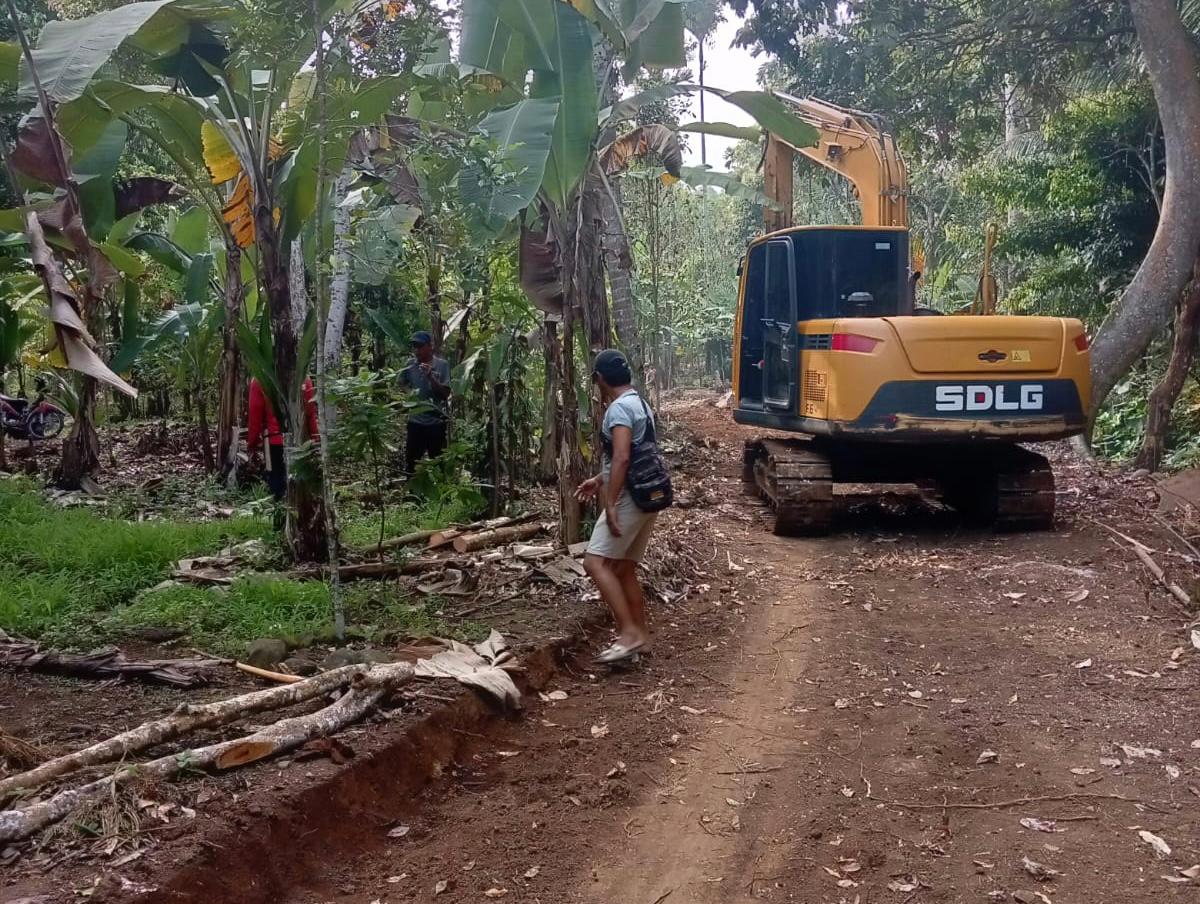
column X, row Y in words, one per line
column 636, row 527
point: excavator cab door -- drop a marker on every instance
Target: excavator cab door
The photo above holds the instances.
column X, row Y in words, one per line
column 779, row 338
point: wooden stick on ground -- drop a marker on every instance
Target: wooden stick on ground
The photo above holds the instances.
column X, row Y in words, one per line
column 278, row 677
column 1142, row 551
column 186, row 719
column 496, row 537
column 19, row 653
column 449, row 535
column 287, row 734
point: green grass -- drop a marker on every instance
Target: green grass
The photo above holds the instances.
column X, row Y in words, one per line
column 224, row 620
column 61, row 568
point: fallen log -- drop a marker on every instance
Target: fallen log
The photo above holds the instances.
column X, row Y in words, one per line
column 496, row 537
column 366, row 570
column 449, row 535
column 186, row 719
column 103, row 664
column 440, row 536
column 411, row 539
column 287, row 734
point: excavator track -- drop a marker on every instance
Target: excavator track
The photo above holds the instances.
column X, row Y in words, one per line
column 1010, row 489
column 796, row 478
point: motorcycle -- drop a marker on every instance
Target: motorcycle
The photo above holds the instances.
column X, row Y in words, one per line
column 23, row 419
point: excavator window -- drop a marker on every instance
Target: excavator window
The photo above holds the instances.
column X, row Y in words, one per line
column 852, row 273
column 750, row 371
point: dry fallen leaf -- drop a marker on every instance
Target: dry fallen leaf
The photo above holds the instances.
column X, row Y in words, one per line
column 1015, row 596
column 558, row 695
column 1082, row 770
column 600, row 731
column 532, row 872
column 1173, row 772
column 1078, row 596
column 910, row 883
column 441, row 886
column 1196, row 638
column 1041, row 825
column 1083, row 664
column 399, row 831
column 1139, row 753
column 1177, row 654
column 841, row 703
column 847, row 792
column 495, row 893
column 1161, row 848
column 692, row 711
column 1192, row 872
column 988, row 756
column 732, row 802
column 1039, row 871
column 396, row 880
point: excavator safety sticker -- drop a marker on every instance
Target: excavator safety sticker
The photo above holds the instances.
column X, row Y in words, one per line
column 968, row 397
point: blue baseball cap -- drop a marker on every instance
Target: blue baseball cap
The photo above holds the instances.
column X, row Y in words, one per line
column 421, row 337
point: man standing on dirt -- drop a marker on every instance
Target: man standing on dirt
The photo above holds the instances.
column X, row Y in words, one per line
column 428, row 376
column 622, row 534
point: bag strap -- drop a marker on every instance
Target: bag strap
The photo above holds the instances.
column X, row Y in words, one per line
column 651, row 430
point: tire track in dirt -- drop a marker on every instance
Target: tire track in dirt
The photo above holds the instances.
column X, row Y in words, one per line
column 688, row 838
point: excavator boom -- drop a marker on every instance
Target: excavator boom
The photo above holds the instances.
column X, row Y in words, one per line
column 853, row 144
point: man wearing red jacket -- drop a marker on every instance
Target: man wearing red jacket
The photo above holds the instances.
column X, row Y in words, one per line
column 262, row 418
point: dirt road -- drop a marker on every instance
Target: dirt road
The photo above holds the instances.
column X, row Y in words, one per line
column 906, row 712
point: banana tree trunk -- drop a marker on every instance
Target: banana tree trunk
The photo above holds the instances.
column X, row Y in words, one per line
column 588, row 254
column 618, row 261
column 552, row 352
column 297, row 285
column 230, row 395
column 81, row 449
column 305, row 526
column 339, row 290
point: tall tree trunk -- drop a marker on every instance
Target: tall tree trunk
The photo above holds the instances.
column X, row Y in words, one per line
column 297, row 285
column 1148, row 301
column 433, row 290
column 339, row 289
column 548, row 463
column 570, row 458
column 229, row 392
column 1165, row 394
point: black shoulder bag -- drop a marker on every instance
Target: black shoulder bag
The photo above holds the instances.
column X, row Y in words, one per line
column 648, row 480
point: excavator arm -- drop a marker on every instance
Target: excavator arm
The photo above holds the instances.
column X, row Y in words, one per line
column 854, row 145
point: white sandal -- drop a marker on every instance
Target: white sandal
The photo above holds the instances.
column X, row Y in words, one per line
column 618, row 652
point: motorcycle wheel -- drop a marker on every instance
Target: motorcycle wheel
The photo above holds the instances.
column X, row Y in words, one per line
column 46, row 424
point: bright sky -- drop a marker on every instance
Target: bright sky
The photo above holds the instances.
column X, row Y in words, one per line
column 729, row 68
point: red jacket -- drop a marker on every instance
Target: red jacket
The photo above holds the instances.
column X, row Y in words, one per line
column 262, row 415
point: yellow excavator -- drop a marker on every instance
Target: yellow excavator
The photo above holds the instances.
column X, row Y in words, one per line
column 830, row 346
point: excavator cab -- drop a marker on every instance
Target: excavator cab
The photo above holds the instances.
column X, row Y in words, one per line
column 831, row 348
column 808, row 274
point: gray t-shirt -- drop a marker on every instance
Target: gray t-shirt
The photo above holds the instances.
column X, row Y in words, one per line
column 412, row 378
column 625, row 411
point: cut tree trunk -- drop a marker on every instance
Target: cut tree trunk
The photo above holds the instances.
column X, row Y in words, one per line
column 1165, row 394
column 1147, row 303
column 229, row 394
column 185, row 720
column 287, row 734
column 498, row 537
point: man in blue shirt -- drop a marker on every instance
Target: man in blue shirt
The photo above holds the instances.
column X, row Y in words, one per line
column 428, row 377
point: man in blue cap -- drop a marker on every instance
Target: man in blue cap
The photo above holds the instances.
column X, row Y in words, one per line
column 428, row 376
